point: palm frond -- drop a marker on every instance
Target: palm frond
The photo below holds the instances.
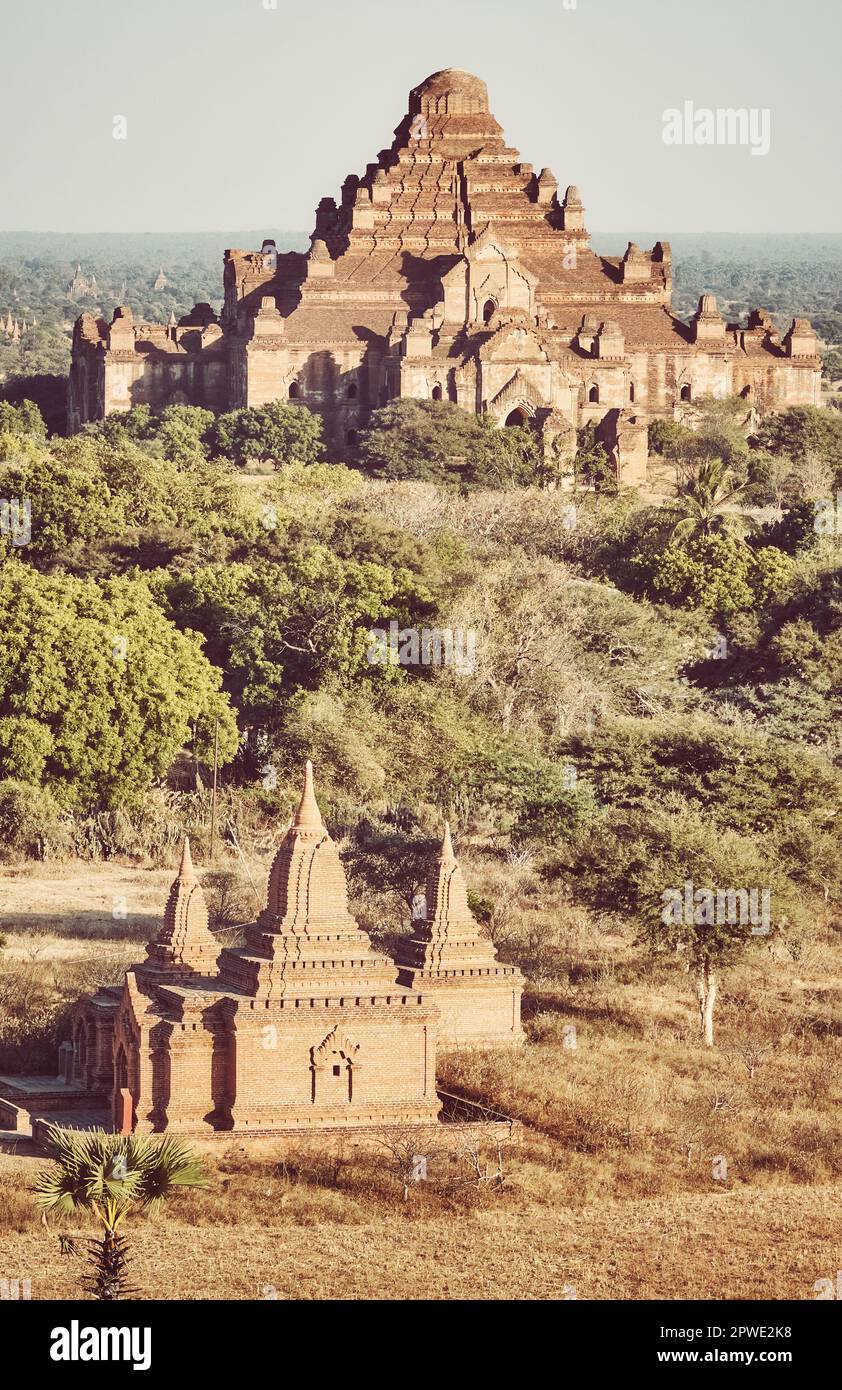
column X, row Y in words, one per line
column 109, row 1172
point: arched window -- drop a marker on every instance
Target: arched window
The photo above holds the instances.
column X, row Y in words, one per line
column 631, row 392
column 293, row 390
column 488, row 309
column 351, row 393
column 436, row 393
column 593, row 395
column 685, row 392
column 746, row 393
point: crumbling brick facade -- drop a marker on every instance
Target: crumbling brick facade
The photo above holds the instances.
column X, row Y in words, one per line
column 449, row 270
column 448, row 957
column 305, row 1026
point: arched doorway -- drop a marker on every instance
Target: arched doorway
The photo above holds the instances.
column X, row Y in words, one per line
column 518, row 416
column 487, row 310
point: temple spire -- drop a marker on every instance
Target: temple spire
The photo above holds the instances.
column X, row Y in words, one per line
column 306, row 943
column 450, row 956
column 308, row 816
column 447, row 856
column 186, row 870
column 185, row 941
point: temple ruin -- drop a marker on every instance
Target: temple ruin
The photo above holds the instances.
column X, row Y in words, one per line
column 450, row 270
column 304, row 1027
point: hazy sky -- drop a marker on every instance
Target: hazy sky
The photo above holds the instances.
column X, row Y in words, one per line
column 244, row 116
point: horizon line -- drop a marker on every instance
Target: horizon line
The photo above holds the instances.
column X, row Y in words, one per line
column 292, row 231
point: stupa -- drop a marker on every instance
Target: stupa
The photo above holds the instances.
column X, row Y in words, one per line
column 451, row 960
column 303, row 1027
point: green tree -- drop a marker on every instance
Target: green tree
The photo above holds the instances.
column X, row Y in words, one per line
column 181, row 433
column 23, row 419
column 803, row 431
column 504, row 457
column 666, row 437
column 111, row 1175
column 437, row 441
column 123, row 426
column 591, row 463
column 701, row 502
column 391, row 857
column 717, row 573
column 718, row 432
column 99, row 691
column 664, row 869
column 276, row 628
column 72, row 505
column 276, row 433
column 87, row 493
column 742, row 780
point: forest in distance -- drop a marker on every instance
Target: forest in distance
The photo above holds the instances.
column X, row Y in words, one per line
column 653, row 704
column 789, row 275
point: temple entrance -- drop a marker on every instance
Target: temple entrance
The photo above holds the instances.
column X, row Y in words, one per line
column 518, row 416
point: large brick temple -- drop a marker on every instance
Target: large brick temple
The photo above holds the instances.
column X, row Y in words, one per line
column 450, row 270
column 304, row 1027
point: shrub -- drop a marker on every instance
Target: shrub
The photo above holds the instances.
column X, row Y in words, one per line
column 31, row 823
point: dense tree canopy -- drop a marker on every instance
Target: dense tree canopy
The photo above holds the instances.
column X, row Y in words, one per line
column 437, row 441
column 651, row 678
column 98, row 690
column 274, row 433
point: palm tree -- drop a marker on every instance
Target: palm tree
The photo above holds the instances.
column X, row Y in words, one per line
column 109, row 1175
column 699, row 507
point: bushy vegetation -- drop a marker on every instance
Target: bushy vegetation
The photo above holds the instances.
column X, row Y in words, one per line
column 652, row 693
column 652, row 702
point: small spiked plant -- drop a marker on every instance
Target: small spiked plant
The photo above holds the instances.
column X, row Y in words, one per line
column 111, row 1175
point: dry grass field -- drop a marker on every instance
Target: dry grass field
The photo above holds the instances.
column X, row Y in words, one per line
column 644, row 1166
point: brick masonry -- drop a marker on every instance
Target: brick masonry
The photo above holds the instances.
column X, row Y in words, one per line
column 450, row 270
column 304, row 1027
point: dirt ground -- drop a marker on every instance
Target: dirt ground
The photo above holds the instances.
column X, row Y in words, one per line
column 603, row 1198
column 696, row 1247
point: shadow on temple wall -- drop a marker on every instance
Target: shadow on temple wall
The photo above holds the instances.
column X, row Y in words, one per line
column 423, row 278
